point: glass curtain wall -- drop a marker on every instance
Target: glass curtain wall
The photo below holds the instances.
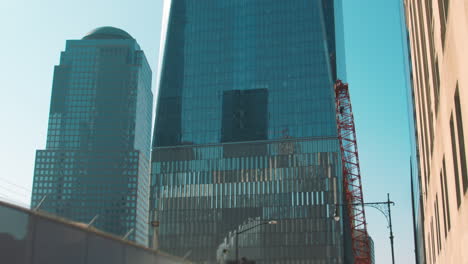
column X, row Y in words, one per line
column 245, row 128
column 97, row 158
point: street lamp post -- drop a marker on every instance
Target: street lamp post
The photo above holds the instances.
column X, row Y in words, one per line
column 384, row 208
column 238, row 232
column 155, row 225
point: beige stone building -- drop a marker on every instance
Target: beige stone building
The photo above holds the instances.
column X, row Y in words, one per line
column 438, row 42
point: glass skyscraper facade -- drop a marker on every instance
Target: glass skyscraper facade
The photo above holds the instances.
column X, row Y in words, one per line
column 97, row 158
column 246, row 129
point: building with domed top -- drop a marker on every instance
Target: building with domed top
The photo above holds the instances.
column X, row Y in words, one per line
column 96, row 161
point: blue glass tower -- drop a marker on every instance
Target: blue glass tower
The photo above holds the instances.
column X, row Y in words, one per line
column 245, row 129
column 97, row 157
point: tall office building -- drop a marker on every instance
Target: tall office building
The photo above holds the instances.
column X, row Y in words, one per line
column 438, row 36
column 245, row 129
column 96, row 161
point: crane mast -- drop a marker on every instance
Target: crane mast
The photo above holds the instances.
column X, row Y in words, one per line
column 352, row 186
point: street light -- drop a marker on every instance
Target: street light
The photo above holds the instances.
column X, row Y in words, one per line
column 155, row 225
column 238, row 232
column 336, row 215
column 384, row 208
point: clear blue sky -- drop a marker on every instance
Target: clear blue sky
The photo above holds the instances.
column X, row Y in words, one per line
column 34, row 34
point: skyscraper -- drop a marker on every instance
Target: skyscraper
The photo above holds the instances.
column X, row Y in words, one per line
column 438, row 34
column 245, row 130
column 96, row 161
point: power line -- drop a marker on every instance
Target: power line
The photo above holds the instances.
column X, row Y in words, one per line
column 13, row 201
column 14, row 184
column 15, row 192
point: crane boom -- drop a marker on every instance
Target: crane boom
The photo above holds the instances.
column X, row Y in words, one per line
column 351, row 174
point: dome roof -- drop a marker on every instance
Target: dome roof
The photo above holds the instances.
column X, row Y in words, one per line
column 107, row 33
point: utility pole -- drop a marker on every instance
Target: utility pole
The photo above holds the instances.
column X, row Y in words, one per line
column 237, row 246
column 390, row 225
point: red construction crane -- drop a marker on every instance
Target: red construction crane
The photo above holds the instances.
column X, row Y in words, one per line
column 351, row 175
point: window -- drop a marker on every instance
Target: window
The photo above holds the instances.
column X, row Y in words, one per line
column 443, row 16
column 461, row 139
column 436, row 77
column 437, row 216
column 433, row 242
column 445, row 199
column 455, row 161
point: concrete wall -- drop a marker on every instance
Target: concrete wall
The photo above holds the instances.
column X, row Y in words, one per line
column 28, row 237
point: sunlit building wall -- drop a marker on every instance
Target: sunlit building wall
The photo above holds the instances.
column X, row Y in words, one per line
column 438, row 36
